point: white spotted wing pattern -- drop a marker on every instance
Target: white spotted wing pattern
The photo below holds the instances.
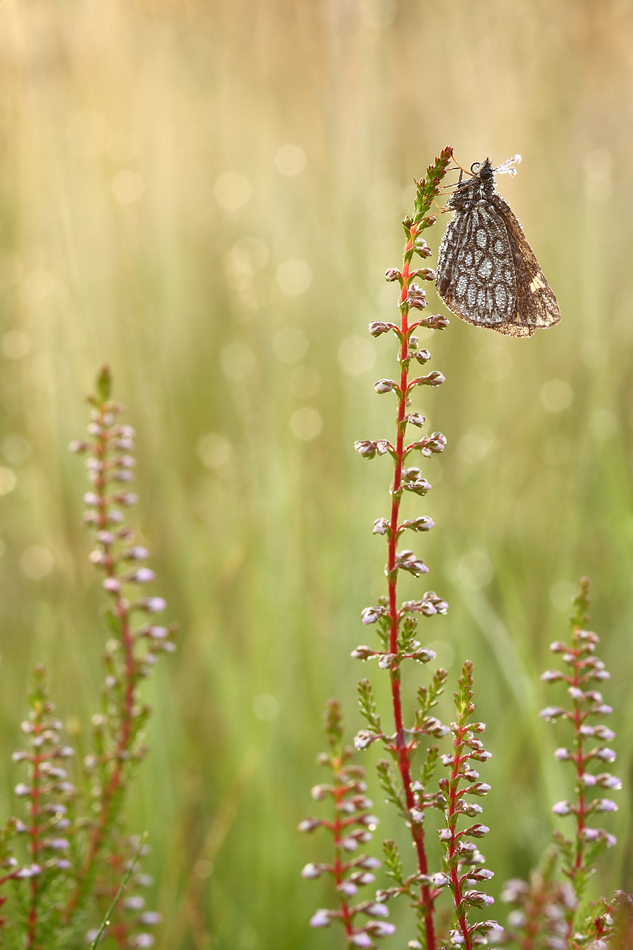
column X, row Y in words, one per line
column 487, row 273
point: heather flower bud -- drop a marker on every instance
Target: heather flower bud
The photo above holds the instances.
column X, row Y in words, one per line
column 478, row 898
column 604, row 754
column 153, row 605
column 480, row 756
column 416, row 297
column 392, row 274
column 363, row 653
column 364, row 738
column 603, row 805
column 563, row 755
column 309, row 824
column 105, row 537
column 433, row 379
column 426, row 273
column 380, row 928
column 558, row 647
column 112, row 585
column 476, row 831
column 143, row 575
column 422, row 356
column 377, row 328
column 421, row 523
column 381, row 526
column 348, row 888
column 360, row 939
column 562, row 808
column 551, row 676
column 608, row 781
column 366, row 449
column 480, row 788
column 436, row 321
column 416, row 419
column 322, row 918
column 551, row 713
column 386, row 386
column 422, row 248
column 136, row 554
column 78, row 446
column 407, row 561
column 372, row 614
column 587, row 780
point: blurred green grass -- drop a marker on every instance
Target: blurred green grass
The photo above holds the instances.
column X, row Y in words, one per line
column 123, row 240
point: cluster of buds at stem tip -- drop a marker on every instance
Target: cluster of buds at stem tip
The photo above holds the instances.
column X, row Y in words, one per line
column 463, row 863
column 351, row 825
column 584, row 670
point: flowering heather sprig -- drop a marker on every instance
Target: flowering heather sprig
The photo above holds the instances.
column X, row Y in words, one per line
column 132, row 651
column 48, row 828
column 397, row 624
column 462, row 871
column 351, row 825
column 584, row 669
column 537, row 918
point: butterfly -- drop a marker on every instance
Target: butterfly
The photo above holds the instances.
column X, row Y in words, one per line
column 487, row 273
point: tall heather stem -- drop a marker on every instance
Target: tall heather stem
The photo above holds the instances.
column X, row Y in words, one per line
column 397, row 623
column 404, row 764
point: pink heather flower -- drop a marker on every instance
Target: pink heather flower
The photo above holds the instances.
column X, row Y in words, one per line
column 562, row 808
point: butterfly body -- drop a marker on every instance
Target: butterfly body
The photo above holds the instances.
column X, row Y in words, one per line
column 487, row 272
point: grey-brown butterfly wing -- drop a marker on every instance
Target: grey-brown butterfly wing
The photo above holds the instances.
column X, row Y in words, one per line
column 476, row 268
column 536, row 305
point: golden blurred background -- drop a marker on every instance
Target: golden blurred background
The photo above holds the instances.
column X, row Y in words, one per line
column 206, row 195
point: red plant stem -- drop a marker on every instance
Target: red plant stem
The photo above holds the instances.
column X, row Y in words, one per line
column 338, row 828
column 35, row 840
column 403, row 750
column 458, row 761
column 127, row 640
column 578, row 720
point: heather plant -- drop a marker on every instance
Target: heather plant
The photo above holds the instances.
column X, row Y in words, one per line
column 551, row 909
column 66, row 852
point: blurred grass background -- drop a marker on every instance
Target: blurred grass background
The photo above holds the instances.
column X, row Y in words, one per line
column 206, row 195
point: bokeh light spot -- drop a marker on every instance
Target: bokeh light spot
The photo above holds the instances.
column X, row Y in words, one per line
column 294, row 277
column 16, row 345
column 232, row 191
column 556, row 395
column 356, row 355
column 290, row 345
column 127, row 187
column 214, row 450
column 304, row 382
column 265, row 707
column 290, row 160
column 36, row 562
column 306, row 424
column 8, row 480
column 237, row 361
